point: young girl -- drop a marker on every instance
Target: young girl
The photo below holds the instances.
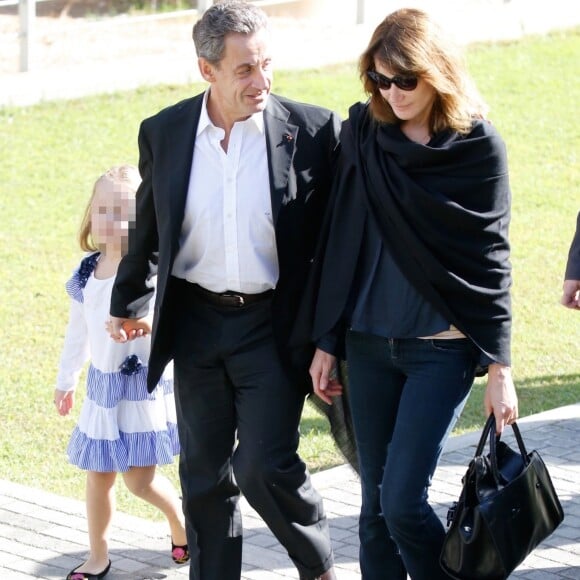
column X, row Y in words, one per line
column 121, row 427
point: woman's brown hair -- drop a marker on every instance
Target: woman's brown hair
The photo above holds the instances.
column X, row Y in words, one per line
column 409, row 42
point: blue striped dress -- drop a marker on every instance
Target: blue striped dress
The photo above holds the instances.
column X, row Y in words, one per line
column 120, row 425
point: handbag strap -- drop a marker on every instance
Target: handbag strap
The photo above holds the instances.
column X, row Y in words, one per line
column 489, row 431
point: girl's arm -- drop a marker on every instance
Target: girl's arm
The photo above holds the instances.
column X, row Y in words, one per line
column 75, row 353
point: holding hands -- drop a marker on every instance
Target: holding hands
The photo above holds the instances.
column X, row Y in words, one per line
column 124, row 329
column 120, row 330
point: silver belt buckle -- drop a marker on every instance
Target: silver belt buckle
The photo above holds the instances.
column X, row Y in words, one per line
column 240, row 299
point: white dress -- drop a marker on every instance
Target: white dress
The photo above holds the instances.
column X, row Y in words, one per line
column 120, row 425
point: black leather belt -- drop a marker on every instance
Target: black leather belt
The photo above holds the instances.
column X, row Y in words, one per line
column 228, row 298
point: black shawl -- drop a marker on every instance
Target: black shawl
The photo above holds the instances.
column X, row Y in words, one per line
column 443, row 211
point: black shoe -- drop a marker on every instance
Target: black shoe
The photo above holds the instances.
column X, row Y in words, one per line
column 74, row 575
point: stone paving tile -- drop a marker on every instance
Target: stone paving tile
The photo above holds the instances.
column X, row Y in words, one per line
column 43, row 536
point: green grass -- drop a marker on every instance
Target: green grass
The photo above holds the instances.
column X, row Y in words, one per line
column 51, row 154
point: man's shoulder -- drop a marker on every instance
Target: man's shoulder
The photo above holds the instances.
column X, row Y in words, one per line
column 177, row 110
column 303, row 112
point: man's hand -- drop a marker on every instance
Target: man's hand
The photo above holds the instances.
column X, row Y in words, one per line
column 571, row 294
column 324, row 378
column 500, row 396
column 124, row 329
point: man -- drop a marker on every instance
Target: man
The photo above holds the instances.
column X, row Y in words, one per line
column 571, row 289
column 235, row 181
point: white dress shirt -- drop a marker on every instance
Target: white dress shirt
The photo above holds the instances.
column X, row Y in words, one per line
column 227, row 239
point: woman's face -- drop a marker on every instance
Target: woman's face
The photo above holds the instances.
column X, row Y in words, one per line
column 409, row 106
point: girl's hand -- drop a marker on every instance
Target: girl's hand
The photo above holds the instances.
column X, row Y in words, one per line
column 323, row 373
column 500, row 396
column 64, row 401
column 136, row 327
column 124, row 329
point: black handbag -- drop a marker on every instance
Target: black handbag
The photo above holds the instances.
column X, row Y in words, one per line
column 508, row 505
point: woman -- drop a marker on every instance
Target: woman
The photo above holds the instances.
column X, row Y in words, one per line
column 416, row 267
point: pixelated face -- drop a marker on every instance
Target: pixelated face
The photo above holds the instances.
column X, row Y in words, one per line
column 112, row 215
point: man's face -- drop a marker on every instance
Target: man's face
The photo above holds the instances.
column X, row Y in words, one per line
column 241, row 82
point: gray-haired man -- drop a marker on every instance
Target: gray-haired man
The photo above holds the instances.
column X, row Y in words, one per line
column 235, row 181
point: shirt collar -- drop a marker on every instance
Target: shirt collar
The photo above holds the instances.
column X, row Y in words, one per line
column 257, row 119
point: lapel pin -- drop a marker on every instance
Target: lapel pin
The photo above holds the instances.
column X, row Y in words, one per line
column 286, row 138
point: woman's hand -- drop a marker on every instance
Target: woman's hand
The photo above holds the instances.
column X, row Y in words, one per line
column 500, row 396
column 324, row 376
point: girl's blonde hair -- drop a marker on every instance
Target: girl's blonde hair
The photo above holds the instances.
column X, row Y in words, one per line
column 409, row 42
column 122, row 174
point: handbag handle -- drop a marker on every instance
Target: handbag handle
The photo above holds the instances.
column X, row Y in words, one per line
column 489, row 430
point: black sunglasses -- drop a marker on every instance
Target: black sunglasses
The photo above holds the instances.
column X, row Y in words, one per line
column 383, row 82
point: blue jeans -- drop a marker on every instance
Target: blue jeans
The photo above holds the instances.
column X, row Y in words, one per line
column 406, row 395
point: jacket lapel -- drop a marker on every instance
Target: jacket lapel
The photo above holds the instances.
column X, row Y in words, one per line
column 281, row 138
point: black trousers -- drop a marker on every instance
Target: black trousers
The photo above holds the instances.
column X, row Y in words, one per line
column 238, row 417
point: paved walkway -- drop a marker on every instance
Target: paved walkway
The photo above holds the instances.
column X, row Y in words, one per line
column 44, row 536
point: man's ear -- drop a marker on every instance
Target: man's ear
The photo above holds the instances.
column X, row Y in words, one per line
column 206, row 69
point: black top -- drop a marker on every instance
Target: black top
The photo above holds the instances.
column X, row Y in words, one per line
column 443, row 212
column 386, row 303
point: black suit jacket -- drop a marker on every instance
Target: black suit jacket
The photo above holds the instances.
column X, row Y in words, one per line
column 301, row 143
column 573, row 264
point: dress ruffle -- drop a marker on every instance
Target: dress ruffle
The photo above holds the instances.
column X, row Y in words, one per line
column 108, row 389
column 79, row 279
column 129, row 450
column 121, row 425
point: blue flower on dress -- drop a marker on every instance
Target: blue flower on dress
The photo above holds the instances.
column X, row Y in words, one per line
column 131, row 365
column 86, row 268
column 75, row 285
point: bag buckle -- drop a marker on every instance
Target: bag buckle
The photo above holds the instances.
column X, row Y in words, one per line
column 451, row 513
